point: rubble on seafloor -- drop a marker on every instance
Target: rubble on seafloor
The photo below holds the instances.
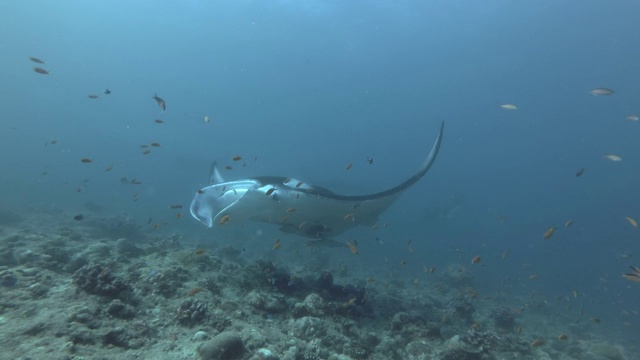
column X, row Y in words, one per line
column 109, row 290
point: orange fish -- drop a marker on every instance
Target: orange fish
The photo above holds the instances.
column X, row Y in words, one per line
column 475, row 260
column 549, row 232
column 194, row 291
column 277, row 245
column 225, row 219
column 537, row 343
column 352, row 248
column 199, row 251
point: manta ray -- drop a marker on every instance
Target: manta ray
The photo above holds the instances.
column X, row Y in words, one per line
column 297, row 207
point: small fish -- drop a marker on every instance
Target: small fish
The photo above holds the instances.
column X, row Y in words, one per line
column 632, row 277
column 109, row 168
column 175, row 206
column 631, row 221
column 155, row 226
column 476, row 260
column 199, row 251
column 509, row 107
column 574, row 293
column 613, row 157
column 549, row 232
column 79, row 217
column 596, row 320
column 579, row 172
column 533, row 277
column 537, row 343
column 568, row 223
column 144, row 146
column 93, row 96
column 505, row 254
column 601, row 92
column 290, row 210
column 228, row 167
column 236, row 158
column 36, row 60
column 277, row 244
column 158, row 121
column 146, row 152
column 404, row 262
column 160, row 101
column 178, row 216
column 155, row 144
column 194, row 291
column 352, row 248
column 225, row 219
column 86, row 160
column 350, row 216
column 633, row 117
column 136, row 182
column 369, row 160
column 348, row 166
column 53, row 142
column 379, row 241
column 206, row 118
column 270, row 191
column 107, row 91
column 40, row 71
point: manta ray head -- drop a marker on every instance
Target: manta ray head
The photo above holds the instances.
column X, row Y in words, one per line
column 211, row 201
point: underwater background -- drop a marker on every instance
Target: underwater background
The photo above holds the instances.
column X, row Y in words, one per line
column 304, row 88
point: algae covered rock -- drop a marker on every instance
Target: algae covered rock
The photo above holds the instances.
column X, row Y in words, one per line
column 227, row 345
column 607, row 351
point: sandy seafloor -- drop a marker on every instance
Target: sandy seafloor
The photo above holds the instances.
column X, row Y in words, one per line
column 103, row 288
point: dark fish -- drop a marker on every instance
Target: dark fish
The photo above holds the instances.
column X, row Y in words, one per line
column 270, row 191
column 78, row 217
column 124, row 180
column 146, row 152
column 93, row 96
column 236, row 158
column 160, row 102
column 86, row 160
column 41, row 71
column 158, row 121
column 155, row 144
column 369, row 160
column 579, row 172
column 107, row 91
column 176, row 206
column 36, row 60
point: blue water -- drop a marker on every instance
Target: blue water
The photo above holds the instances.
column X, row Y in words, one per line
column 308, row 87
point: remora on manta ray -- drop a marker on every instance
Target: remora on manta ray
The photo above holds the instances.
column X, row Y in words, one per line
column 299, row 208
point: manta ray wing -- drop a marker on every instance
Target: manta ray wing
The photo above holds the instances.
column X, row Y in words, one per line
column 297, row 207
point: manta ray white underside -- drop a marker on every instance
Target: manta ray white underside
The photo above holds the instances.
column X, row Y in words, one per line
column 295, row 206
